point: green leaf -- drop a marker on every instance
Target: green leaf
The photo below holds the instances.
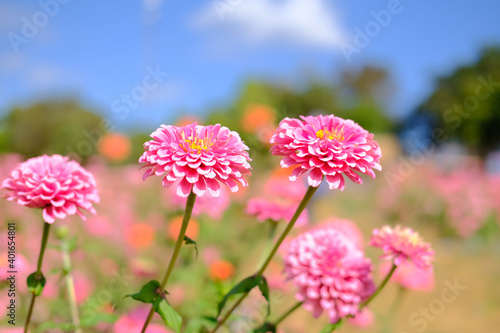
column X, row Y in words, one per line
column 36, row 282
column 49, row 325
column 245, row 286
column 264, row 289
column 189, row 241
column 168, row 314
column 332, row 327
column 148, row 293
column 265, row 328
column 97, row 318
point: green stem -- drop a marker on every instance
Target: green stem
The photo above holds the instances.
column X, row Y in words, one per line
column 70, row 286
column 273, row 225
column 289, row 312
column 332, row 327
column 45, row 237
column 307, row 197
column 382, row 285
column 178, row 244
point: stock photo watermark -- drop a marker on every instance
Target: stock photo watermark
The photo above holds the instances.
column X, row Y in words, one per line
column 364, row 35
column 223, row 7
column 31, row 25
column 121, row 107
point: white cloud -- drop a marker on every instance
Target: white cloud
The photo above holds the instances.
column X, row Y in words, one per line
column 310, row 23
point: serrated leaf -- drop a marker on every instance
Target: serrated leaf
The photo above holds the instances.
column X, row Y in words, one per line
column 148, row 293
column 245, row 286
column 189, row 241
column 168, row 314
column 36, row 282
column 265, row 328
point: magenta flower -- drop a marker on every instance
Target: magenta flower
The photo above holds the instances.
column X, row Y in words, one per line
column 327, row 146
column 401, row 244
column 330, row 272
column 59, row 186
column 198, row 157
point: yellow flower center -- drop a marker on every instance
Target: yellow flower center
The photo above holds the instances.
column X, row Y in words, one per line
column 337, row 134
column 195, row 143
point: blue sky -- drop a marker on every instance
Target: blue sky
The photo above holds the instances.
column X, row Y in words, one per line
column 98, row 51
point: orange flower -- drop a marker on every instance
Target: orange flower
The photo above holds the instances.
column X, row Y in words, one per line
column 174, row 227
column 257, row 116
column 186, row 120
column 221, row 270
column 115, row 147
column 139, row 235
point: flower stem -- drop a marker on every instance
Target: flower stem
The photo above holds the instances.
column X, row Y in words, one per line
column 178, row 244
column 307, row 197
column 45, row 237
column 289, row 312
column 382, row 285
column 70, row 285
column 273, row 225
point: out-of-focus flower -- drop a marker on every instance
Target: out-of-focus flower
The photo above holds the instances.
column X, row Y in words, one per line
column 83, row 287
column 139, row 235
column 279, row 202
column 59, row 186
column 401, row 244
column 115, row 147
column 327, row 146
column 143, row 267
column 348, row 228
column 221, row 270
column 330, row 272
column 132, row 323
column 174, row 227
column 206, row 204
column 210, row 254
column 198, row 157
column 363, row 319
column 410, row 276
column 256, row 117
column 186, row 120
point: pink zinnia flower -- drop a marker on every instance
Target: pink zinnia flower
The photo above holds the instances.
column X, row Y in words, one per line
column 363, row 319
column 59, row 186
column 327, row 146
column 410, row 276
column 199, row 157
column 348, row 228
column 401, row 244
column 330, row 272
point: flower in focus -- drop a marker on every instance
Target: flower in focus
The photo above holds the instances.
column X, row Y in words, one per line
column 327, row 146
column 115, row 147
column 410, row 276
column 330, row 272
column 198, row 157
column 401, row 244
column 279, row 202
column 139, row 235
column 174, row 228
column 59, row 186
column 221, row 270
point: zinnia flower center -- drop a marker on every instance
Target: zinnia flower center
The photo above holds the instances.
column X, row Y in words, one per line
column 337, row 134
column 193, row 142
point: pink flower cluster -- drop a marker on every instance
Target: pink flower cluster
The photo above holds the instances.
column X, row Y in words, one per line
column 401, row 244
column 330, row 272
column 198, row 157
column 279, row 202
column 59, row 186
column 326, row 146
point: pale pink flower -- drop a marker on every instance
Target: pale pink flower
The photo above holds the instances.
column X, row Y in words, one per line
column 133, row 322
column 401, row 244
column 60, row 186
column 363, row 319
column 198, row 157
column 410, row 276
column 206, row 204
column 279, row 202
column 330, row 272
column 327, row 146
column 348, row 228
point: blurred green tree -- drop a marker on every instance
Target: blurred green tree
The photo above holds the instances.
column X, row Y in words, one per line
column 52, row 126
column 466, row 104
